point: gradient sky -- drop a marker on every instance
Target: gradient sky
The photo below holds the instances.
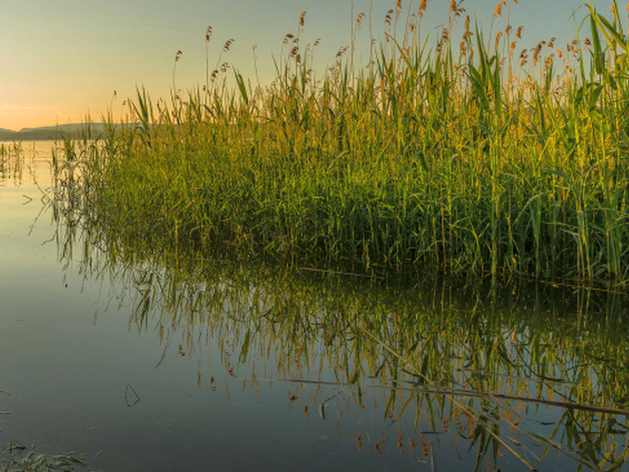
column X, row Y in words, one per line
column 60, row 59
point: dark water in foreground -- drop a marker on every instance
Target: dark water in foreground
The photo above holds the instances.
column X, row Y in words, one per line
column 144, row 360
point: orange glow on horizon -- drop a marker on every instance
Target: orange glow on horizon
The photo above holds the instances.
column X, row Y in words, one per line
column 16, row 118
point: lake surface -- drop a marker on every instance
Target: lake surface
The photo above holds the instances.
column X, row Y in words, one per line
column 145, row 359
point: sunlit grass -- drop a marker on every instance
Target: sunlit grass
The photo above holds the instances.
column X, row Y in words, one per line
column 452, row 154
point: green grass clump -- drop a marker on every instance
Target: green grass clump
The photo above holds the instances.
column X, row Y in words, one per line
column 15, row 459
column 463, row 157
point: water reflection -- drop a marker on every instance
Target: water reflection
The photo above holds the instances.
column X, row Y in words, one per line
column 520, row 376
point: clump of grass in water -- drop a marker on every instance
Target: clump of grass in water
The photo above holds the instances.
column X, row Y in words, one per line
column 11, row 161
column 481, row 162
column 14, row 459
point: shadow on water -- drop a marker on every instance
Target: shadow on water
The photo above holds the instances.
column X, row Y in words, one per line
column 523, row 376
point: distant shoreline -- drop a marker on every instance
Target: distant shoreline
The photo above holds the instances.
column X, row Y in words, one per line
column 45, row 133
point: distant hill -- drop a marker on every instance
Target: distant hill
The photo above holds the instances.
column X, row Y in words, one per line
column 47, row 132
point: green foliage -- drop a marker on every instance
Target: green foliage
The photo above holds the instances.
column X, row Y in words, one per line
column 422, row 160
column 15, row 459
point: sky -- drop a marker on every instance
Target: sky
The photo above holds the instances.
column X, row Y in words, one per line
column 62, row 60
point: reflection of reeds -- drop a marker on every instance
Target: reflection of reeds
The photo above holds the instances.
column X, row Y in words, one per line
column 434, row 355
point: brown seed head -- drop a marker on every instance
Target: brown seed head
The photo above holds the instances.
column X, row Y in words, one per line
column 524, row 54
column 228, row 44
column 340, row 52
column 536, row 52
column 359, row 20
column 498, row 10
column 498, row 36
column 388, row 17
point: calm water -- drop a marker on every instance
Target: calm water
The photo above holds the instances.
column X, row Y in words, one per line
column 147, row 360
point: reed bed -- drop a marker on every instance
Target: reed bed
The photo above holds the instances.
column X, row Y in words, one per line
column 449, row 153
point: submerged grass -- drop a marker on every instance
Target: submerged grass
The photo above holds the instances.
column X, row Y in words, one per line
column 437, row 155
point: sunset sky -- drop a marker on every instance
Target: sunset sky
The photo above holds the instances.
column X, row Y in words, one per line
column 60, row 59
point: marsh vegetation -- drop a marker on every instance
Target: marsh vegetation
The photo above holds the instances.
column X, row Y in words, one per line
column 446, row 153
column 11, row 162
column 277, row 225
column 17, row 458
